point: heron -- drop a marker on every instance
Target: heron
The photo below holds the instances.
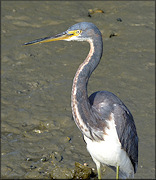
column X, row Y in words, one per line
column 107, row 126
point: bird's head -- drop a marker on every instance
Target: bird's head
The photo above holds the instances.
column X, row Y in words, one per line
column 83, row 31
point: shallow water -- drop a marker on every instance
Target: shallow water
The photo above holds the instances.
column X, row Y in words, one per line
column 38, row 136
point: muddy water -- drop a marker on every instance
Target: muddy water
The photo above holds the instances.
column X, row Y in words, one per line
column 38, row 136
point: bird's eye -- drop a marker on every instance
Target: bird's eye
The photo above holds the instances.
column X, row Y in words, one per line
column 78, row 31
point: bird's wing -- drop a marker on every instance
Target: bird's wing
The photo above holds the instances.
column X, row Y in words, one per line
column 103, row 105
column 126, row 131
column 101, row 108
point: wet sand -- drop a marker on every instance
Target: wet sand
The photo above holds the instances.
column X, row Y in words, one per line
column 39, row 139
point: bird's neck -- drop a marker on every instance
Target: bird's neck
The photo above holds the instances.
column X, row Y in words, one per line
column 79, row 97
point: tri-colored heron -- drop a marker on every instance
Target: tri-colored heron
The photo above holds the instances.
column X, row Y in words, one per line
column 105, row 122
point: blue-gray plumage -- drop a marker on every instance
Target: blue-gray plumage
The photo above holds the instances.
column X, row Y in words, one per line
column 105, row 122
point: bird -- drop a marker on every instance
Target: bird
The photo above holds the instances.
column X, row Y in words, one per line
column 107, row 126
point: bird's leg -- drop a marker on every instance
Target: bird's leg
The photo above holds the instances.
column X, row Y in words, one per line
column 117, row 172
column 99, row 172
column 98, row 167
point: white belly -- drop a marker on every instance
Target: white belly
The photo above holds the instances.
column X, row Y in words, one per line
column 109, row 152
column 106, row 152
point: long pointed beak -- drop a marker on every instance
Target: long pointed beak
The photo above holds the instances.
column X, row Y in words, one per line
column 58, row 37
